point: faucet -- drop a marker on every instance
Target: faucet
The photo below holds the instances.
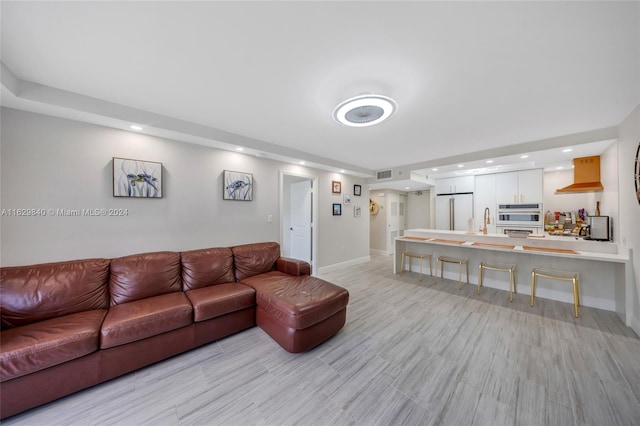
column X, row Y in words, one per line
column 486, row 220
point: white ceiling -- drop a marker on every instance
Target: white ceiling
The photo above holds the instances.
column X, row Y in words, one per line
column 472, row 79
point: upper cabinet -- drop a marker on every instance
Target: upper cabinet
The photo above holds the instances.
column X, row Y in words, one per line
column 455, row 185
column 519, row 187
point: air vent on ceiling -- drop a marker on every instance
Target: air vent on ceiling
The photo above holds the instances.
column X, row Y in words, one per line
column 383, row 174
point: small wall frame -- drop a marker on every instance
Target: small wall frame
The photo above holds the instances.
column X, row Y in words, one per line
column 237, row 186
column 137, row 178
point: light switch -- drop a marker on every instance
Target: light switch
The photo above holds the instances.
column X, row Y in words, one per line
column 269, row 218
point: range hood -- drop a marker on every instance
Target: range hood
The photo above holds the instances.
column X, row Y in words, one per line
column 586, row 175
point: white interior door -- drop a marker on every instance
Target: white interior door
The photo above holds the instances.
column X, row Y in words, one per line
column 402, row 214
column 301, row 220
column 393, row 220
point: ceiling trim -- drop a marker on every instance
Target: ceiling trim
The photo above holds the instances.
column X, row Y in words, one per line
column 30, row 96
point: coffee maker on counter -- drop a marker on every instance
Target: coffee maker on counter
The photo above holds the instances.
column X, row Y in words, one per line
column 598, row 228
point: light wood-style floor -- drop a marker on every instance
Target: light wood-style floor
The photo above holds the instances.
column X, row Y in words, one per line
column 411, row 353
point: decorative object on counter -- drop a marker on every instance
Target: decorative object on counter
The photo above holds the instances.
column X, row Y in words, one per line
column 411, row 255
column 471, row 225
column 357, row 190
column 237, row 186
column 597, row 208
column 336, row 187
column 574, row 277
column 460, row 261
column 511, row 269
column 337, row 209
column 582, row 215
column 136, row 178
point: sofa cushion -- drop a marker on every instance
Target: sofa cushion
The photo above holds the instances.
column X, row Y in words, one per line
column 202, row 268
column 254, row 259
column 144, row 275
column 214, row 301
column 41, row 292
column 297, row 302
column 144, row 318
column 34, row 347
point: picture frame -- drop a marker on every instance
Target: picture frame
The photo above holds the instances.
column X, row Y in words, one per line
column 357, row 211
column 347, row 199
column 357, row 190
column 337, row 209
column 336, row 186
column 137, row 178
column 237, row 186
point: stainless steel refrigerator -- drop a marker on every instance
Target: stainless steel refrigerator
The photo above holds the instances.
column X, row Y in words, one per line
column 453, row 211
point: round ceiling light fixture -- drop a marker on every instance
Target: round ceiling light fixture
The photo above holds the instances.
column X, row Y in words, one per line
column 364, row 110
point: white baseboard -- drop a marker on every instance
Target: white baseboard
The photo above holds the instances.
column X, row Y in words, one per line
column 335, row 266
column 380, row 252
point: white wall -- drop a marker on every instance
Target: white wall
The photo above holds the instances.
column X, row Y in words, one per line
column 52, row 163
column 562, row 202
column 628, row 140
column 418, row 210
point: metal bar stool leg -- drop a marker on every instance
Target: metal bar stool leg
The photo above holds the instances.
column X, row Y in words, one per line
column 533, row 286
column 511, row 285
column 480, row 269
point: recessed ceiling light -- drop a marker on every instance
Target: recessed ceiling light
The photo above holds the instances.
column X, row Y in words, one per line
column 435, row 170
column 524, row 156
column 341, row 170
column 407, row 187
column 559, row 168
column 239, row 148
column 364, row 110
column 567, row 150
column 489, row 161
column 460, row 165
column 134, row 127
column 301, row 163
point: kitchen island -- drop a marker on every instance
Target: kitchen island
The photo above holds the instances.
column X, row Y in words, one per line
column 604, row 267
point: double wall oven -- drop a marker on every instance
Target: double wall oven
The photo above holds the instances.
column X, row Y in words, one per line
column 520, row 217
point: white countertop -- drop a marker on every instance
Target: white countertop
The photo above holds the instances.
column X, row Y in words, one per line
column 586, row 250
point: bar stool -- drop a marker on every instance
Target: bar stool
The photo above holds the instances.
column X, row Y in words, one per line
column 420, row 256
column 441, row 260
column 574, row 277
column 511, row 269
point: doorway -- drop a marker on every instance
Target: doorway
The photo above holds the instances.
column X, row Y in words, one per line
column 298, row 207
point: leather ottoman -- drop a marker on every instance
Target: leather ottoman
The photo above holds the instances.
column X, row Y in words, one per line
column 298, row 312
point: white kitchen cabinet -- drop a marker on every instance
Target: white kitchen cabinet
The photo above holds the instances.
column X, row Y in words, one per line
column 485, row 196
column 455, row 185
column 519, row 187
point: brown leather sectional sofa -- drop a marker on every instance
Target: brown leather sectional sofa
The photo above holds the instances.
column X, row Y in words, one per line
column 70, row 325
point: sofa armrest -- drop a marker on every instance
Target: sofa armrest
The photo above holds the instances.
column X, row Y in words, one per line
column 293, row 266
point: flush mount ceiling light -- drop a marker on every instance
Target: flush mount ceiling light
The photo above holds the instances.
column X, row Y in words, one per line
column 364, row 110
